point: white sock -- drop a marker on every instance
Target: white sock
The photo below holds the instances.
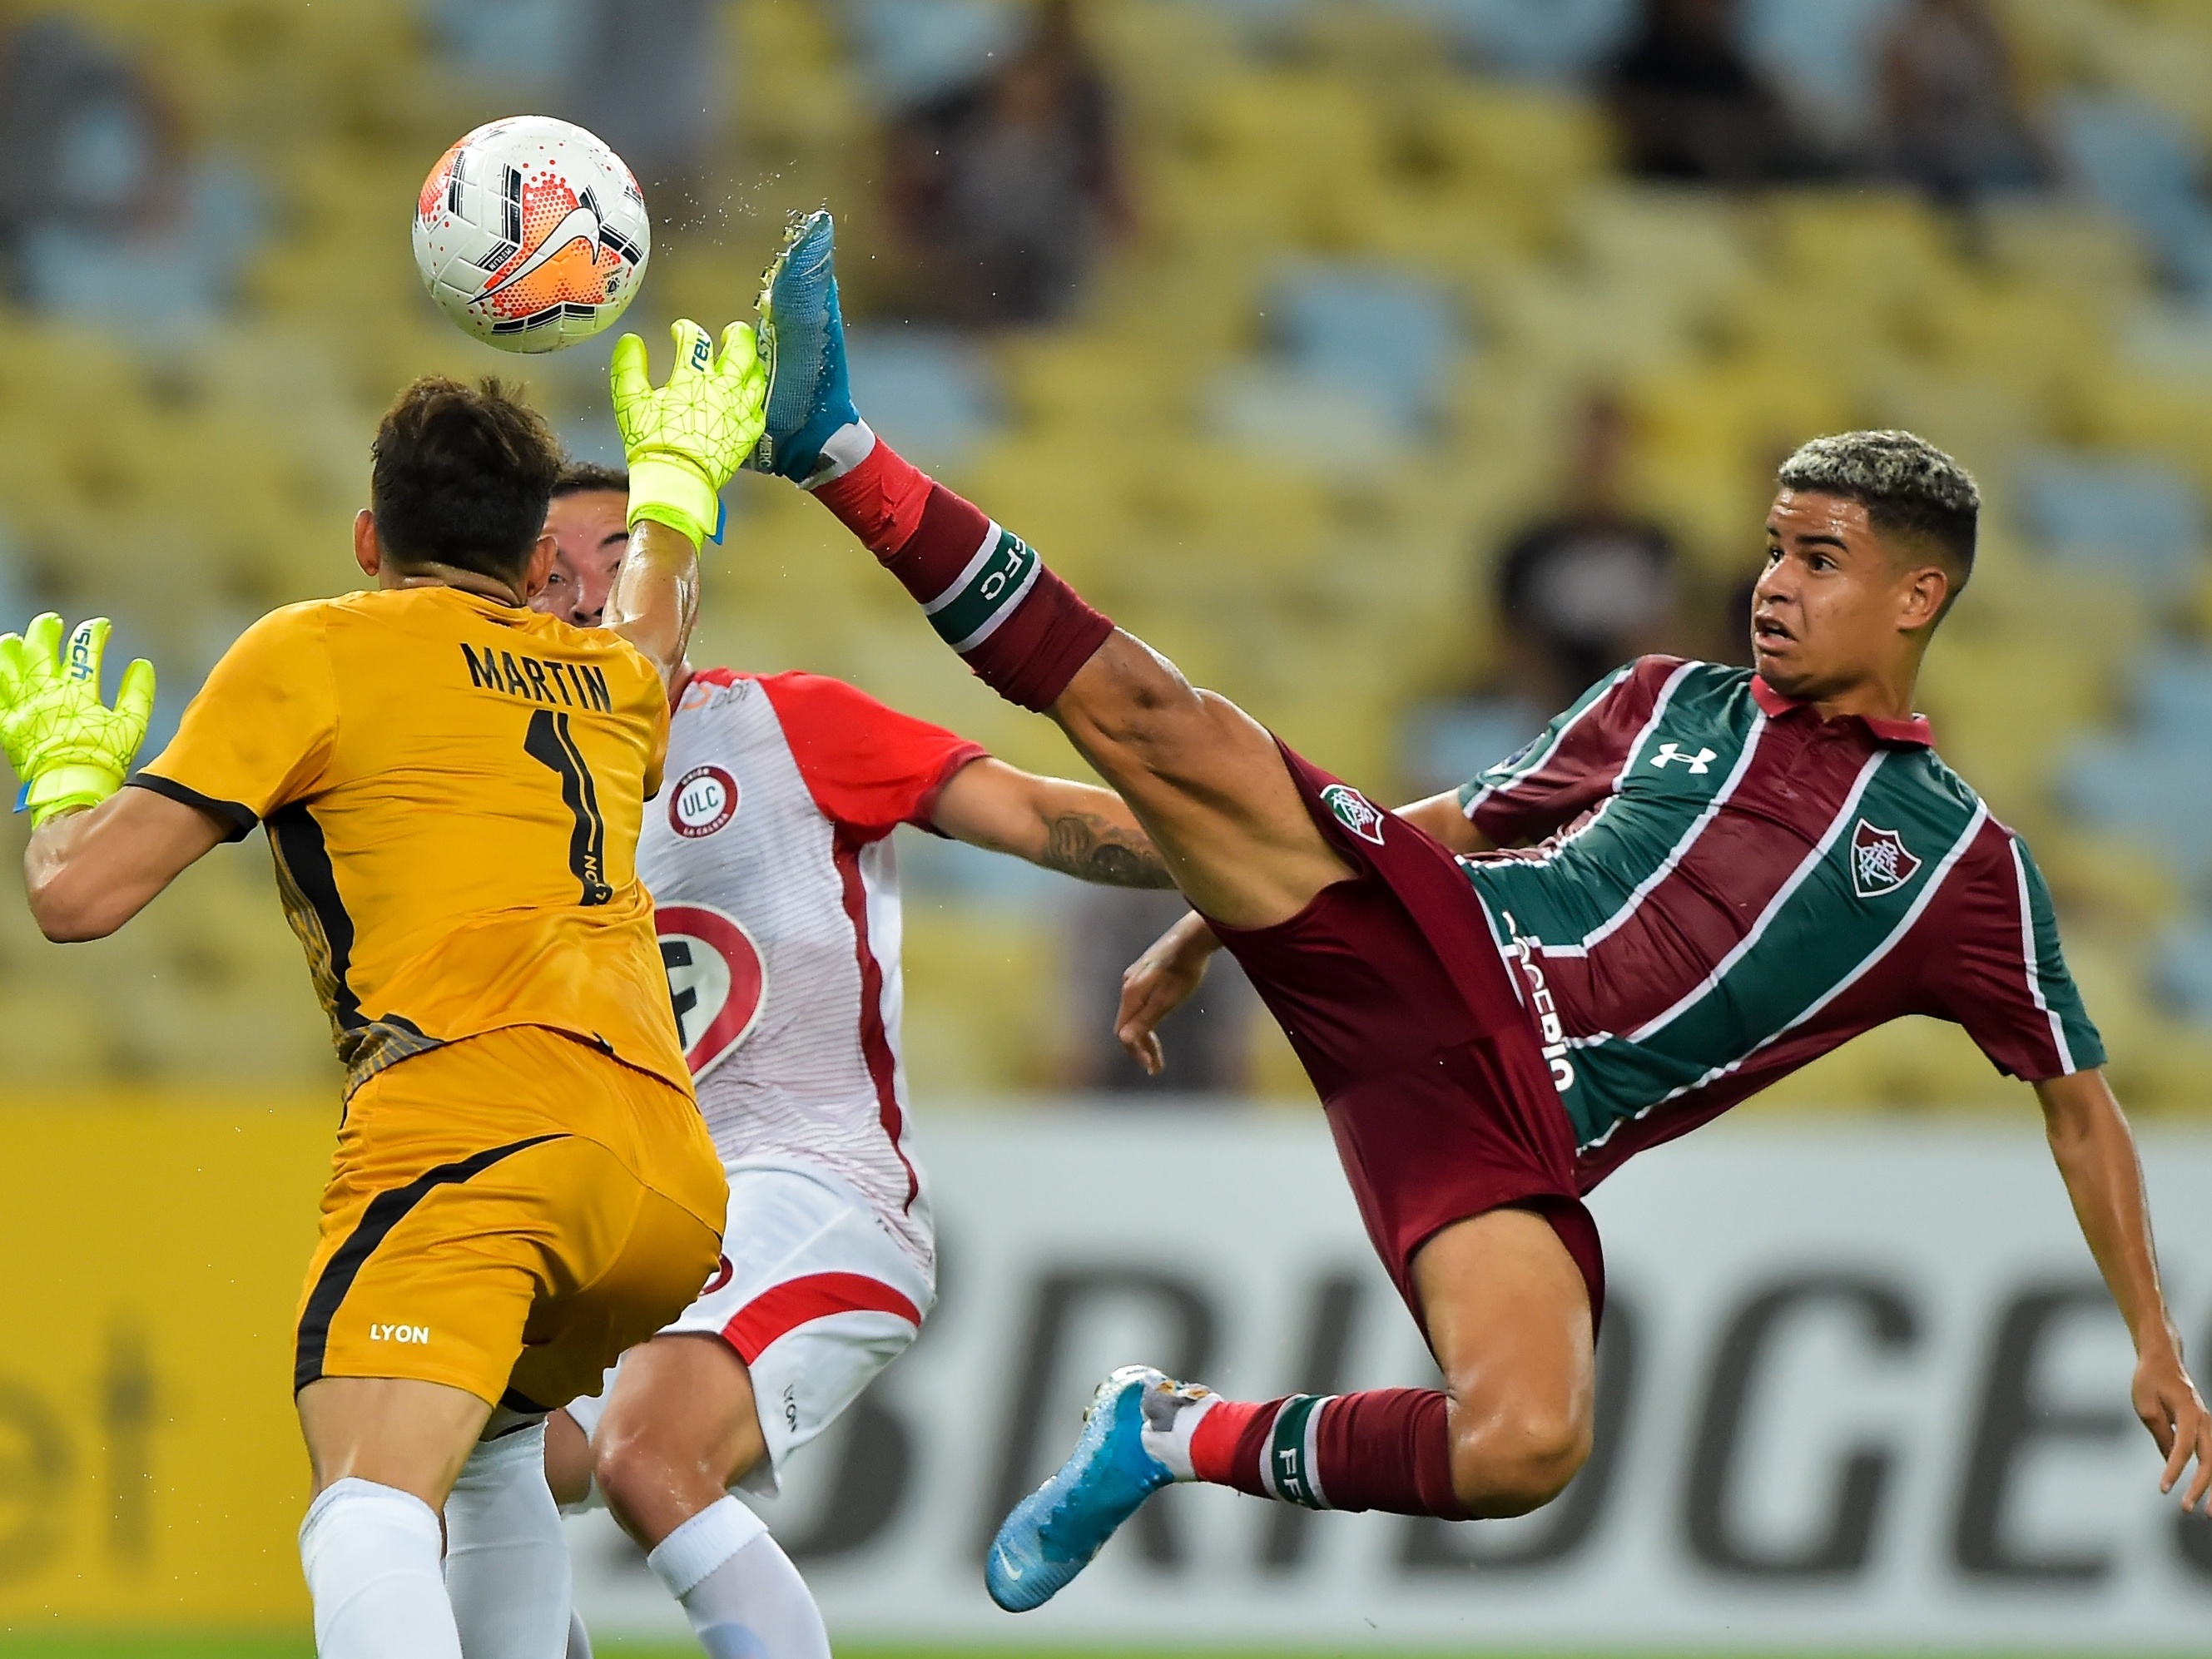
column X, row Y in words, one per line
column 746, row 1599
column 579, row 1639
column 506, row 1560
column 1172, row 1415
column 371, row 1557
column 845, row 449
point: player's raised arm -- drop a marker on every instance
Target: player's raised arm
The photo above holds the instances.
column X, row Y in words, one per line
column 2095, row 1153
column 96, row 858
column 1077, row 828
column 684, row 442
column 1206, row 780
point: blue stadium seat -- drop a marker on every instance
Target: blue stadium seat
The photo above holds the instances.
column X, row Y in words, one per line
column 910, row 50
column 2170, row 739
column 932, row 393
column 14, row 595
column 1369, row 328
column 152, row 285
column 2127, row 514
column 510, row 42
column 2183, row 969
column 1543, row 39
column 2147, row 168
column 1446, row 743
column 1826, row 50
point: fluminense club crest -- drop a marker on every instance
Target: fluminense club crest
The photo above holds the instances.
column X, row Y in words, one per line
column 1880, row 862
column 1354, row 811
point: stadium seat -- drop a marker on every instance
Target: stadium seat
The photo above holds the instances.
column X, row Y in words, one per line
column 931, row 393
column 2128, row 516
column 2147, row 168
column 1378, row 251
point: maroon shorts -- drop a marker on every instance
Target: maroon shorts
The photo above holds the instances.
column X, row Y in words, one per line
column 1391, row 988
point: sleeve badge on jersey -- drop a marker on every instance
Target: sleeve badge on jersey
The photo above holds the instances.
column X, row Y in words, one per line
column 704, row 799
column 1354, row 811
column 1880, row 862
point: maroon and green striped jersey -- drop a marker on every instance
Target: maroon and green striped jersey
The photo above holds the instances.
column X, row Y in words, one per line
column 1707, row 885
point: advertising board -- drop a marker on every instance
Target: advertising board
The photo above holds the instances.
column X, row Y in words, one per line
column 1860, row 1386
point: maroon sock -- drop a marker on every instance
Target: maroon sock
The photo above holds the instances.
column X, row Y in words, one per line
column 1387, row 1448
column 1022, row 629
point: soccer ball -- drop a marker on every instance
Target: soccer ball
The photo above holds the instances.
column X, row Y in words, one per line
column 531, row 233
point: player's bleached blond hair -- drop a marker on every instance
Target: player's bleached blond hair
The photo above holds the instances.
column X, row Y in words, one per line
column 1911, row 489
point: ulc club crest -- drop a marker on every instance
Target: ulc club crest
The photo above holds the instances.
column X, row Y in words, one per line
column 1880, row 862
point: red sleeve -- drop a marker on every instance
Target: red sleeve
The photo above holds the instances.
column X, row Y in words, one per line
column 869, row 767
column 1573, row 765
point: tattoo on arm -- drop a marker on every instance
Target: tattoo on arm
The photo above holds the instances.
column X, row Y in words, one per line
column 1088, row 848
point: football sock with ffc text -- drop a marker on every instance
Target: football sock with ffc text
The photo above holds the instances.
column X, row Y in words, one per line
column 1023, row 630
column 1386, row 1449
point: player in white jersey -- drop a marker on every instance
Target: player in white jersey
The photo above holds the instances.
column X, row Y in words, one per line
column 768, row 856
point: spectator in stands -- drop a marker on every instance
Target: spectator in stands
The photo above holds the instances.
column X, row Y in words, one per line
column 1692, row 106
column 1952, row 123
column 1586, row 588
column 92, row 148
column 1209, row 1036
column 1006, row 188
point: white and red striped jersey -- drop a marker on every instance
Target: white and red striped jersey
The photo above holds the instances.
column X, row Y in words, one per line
column 776, row 887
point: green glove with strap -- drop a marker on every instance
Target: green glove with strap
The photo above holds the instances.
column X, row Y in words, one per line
column 685, row 440
column 69, row 748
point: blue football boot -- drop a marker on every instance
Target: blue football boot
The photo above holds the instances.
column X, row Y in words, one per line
column 1052, row 1533
column 802, row 333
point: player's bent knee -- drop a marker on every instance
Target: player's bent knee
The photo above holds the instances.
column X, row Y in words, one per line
column 643, row 1467
column 567, row 1459
column 1518, row 1461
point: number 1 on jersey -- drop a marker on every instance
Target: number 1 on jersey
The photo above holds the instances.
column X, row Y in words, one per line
column 550, row 744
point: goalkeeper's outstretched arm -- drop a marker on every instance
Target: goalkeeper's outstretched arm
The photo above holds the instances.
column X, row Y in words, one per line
column 96, row 858
column 683, row 442
column 89, row 871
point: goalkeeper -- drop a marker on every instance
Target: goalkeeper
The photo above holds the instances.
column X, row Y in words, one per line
column 452, row 786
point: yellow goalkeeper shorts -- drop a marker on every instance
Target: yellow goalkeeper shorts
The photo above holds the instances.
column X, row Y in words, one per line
column 506, row 1215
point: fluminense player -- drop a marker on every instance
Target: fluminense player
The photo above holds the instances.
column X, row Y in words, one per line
column 1697, row 880
column 769, row 860
column 452, row 786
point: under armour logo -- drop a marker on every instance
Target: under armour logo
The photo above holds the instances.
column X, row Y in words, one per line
column 1699, row 764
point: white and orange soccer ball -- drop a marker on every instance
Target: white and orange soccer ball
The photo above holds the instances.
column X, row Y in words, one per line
column 531, row 233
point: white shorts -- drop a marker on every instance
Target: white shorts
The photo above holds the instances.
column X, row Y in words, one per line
column 815, row 1295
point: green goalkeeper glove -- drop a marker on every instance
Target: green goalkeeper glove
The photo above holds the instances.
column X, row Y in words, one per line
column 69, row 748
column 684, row 441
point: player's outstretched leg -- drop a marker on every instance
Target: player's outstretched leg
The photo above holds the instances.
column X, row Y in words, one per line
column 1509, row 1324
column 1207, row 780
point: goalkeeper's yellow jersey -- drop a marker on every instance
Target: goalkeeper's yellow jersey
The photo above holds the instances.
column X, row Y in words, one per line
column 452, row 789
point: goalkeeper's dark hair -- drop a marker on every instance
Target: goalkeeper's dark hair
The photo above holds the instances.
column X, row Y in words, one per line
column 461, row 475
column 583, row 477
column 1911, row 490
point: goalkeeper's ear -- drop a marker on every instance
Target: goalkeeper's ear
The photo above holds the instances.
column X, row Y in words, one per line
column 368, row 551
